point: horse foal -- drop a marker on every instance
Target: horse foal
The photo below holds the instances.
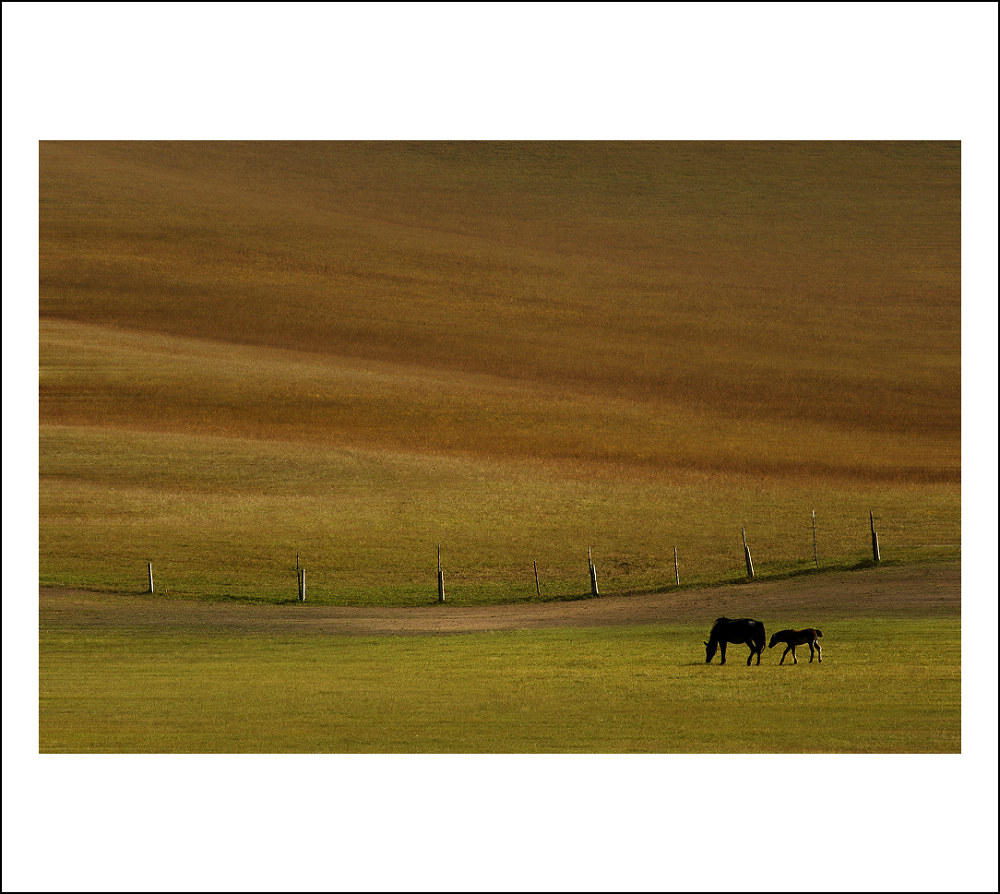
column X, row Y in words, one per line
column 792, row 638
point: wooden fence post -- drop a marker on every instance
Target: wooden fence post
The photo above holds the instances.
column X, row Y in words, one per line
column 593, row 575
column 302, row 585
column 440, row 577
column 746, row 554
column 677, row 574
column 538, row 591
column 875, row 554
column 815, row 553
column 149, row 566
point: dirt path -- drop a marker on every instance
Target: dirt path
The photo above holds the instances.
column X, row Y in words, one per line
column 908, row 591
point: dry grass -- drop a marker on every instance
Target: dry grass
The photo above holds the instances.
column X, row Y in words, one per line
column 355, row 351
column 222, row 516
column 99, row 376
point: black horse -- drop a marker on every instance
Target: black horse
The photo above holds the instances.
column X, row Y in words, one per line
column 742, row 630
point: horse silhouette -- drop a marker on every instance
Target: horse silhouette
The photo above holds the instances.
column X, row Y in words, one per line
column 741, row 630
column 792, row 638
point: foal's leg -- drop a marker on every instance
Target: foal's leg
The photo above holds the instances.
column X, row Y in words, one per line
column 788, row 649
column 819, row 652
column 811, row 650
column 794, row 659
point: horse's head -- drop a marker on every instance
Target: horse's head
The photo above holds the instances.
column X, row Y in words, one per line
column 774, row 639
column 709, row 650
column 819, row 633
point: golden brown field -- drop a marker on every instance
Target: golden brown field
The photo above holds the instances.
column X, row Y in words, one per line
column 354, row 352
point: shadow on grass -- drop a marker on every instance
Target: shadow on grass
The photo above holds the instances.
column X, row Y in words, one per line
column 760, row 577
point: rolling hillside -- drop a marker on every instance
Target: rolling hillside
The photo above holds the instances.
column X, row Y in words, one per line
column 355, row 351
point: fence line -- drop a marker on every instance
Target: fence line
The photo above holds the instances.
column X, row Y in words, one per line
column 625, row 572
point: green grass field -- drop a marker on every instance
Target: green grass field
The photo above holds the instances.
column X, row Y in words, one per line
column 619, row 674
column 348, row 354
column 605, row 690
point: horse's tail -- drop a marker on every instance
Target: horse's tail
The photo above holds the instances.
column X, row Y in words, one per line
column 761, row 638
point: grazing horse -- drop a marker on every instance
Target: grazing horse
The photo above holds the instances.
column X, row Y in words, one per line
column 792, row 638
column 742, row 630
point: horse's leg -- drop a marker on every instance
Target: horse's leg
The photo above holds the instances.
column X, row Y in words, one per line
column 722, row 648
column 795, row 660
column 750, row 656
column 819, row 653
column 783, row 654
column 811, row 652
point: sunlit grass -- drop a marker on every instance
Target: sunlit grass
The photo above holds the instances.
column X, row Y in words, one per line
column 570, row 690
column 223, row 517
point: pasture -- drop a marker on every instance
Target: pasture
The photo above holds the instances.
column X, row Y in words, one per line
column 344, row 355
column 608, row 675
